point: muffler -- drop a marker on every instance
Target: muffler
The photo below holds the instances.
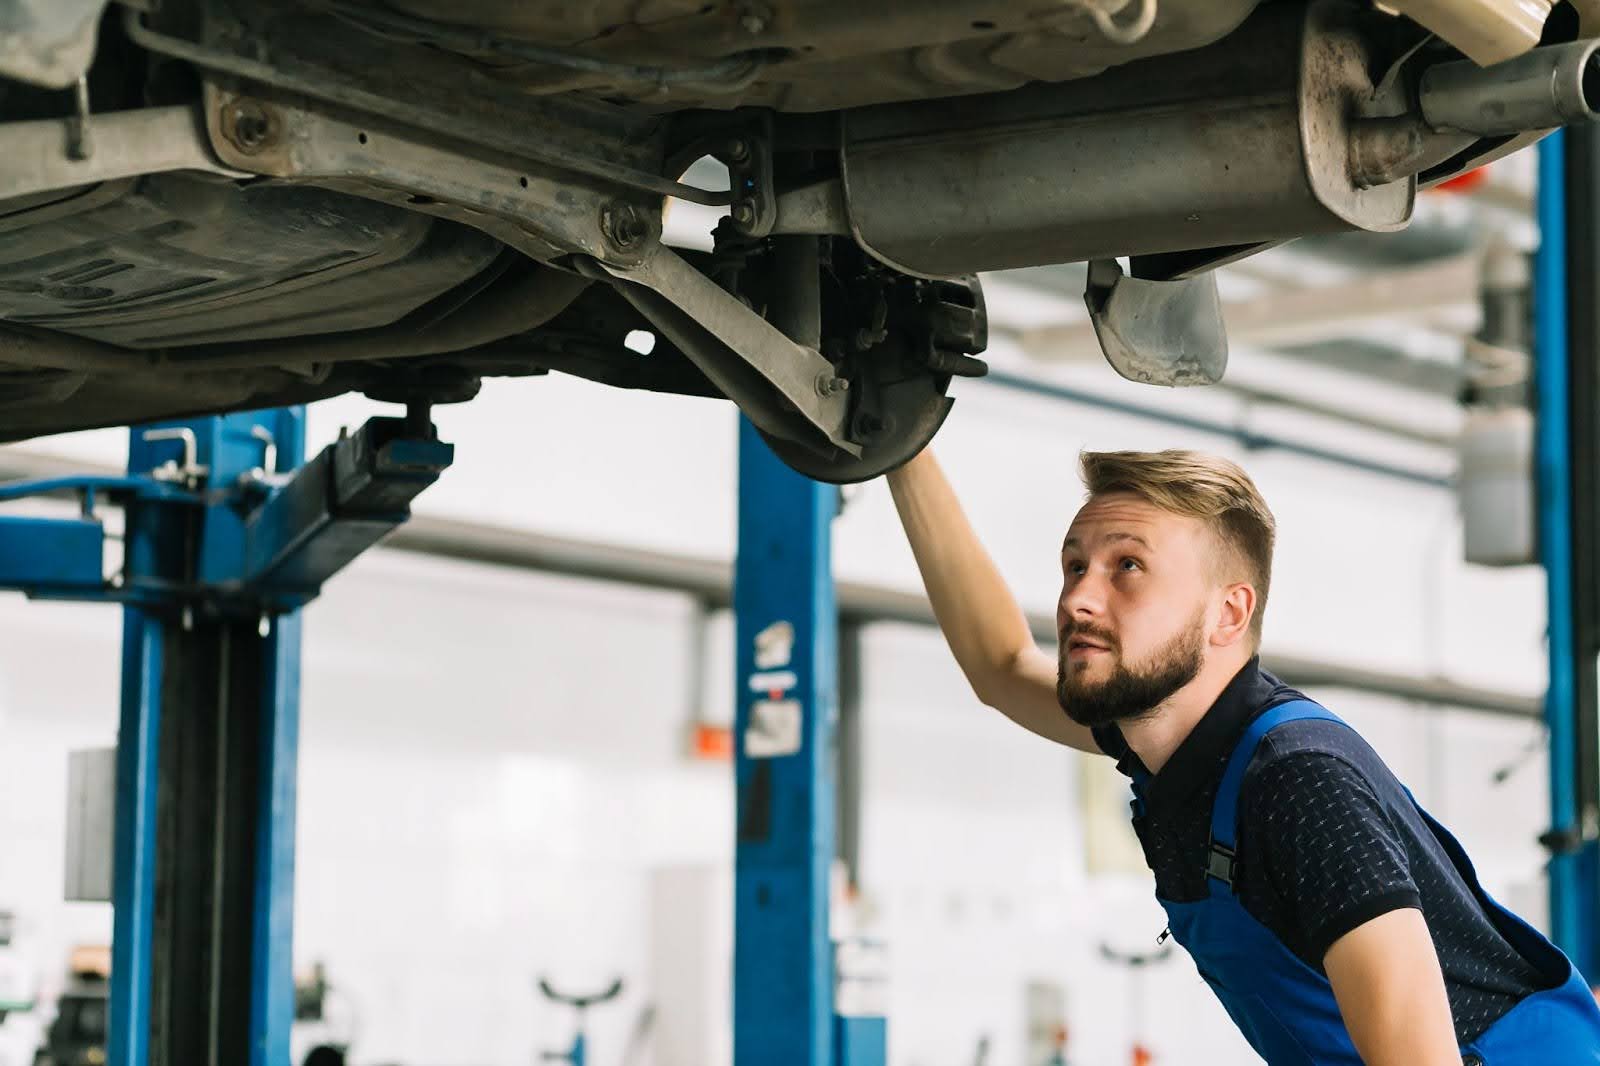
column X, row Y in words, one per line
column 1244, row 141
column 1275, row 132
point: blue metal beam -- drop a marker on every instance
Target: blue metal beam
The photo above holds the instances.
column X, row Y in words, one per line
column 1573, row 893
column 133, row 872
column 787, row 706
column 351, row 496
column 272, row 980
column 50, row 556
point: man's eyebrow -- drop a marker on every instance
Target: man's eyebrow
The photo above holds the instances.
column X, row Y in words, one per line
column 1074, row 542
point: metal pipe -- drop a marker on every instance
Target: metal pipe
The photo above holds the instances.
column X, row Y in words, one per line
column 1544, row 88
column 1245, row 437
column 1567, row 907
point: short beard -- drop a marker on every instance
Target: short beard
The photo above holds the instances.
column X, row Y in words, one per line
column 1131, row 692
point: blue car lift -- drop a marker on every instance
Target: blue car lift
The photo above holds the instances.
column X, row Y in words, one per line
column 226, row 535
column 1567, row 401
column 786, row 750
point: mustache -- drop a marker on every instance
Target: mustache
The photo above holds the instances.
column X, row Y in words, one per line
column 1092, row 632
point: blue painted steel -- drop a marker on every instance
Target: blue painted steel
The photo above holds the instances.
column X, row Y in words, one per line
column 51, row 555
column 251, row 530
column 138, row 486
column 165, row 550
column 272, row 921
column 860, row 1041
column 133, row 889
column 232, row 449
column 272, row 982
column 1572, row 902
column 338, row 505
column 783, row 955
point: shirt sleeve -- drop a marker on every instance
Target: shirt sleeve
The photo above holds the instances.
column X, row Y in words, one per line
column 1330, row 851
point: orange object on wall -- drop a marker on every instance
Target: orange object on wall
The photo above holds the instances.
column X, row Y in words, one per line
column 1464, row 182
column 712, row 743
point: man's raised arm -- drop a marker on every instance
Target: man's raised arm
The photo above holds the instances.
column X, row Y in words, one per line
column 981, row 620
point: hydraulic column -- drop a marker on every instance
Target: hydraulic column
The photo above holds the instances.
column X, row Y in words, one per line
column 786, row 744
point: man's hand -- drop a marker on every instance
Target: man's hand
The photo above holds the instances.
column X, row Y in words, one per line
column 1386, row 977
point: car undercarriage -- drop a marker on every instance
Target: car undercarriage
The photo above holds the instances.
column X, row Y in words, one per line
column 212, row 205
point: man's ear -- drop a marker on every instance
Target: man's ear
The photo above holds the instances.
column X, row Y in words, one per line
column 1233, row 621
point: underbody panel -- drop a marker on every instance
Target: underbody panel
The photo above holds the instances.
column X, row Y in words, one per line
column 173, row 259
column 832, row 54
column 256, row 202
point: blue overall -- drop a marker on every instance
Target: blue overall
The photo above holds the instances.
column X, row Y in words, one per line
column 1286, row 1009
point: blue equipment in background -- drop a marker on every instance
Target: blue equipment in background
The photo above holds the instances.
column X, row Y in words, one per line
column 225, row 536
column 785, row 752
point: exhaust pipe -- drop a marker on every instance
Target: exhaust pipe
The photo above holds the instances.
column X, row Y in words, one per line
column 1270, row 134
column 1245, row 141
column 1545, row 88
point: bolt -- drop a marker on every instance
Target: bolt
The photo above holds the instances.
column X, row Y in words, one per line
column 738, row 150
column 830, row 385
column 744, row 212
column 754, row 20
column 248, row 125
column 868, row 425
column 623, row 225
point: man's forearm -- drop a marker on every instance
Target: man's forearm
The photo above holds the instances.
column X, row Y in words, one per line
column 981, row 620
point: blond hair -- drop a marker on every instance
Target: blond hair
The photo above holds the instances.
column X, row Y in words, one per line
column 1216, row 491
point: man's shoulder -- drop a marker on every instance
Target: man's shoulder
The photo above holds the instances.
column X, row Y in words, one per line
column 1315, row 755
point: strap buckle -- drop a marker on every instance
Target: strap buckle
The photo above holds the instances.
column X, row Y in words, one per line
column 1221, row 863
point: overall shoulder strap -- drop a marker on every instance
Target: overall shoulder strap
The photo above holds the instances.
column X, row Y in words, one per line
column 1225, row 809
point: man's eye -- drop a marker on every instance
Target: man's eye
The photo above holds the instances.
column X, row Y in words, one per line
column 1077, row 569
column 1130, row 564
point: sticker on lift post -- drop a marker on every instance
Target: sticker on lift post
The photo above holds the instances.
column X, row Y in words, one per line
column 775, row 646
column 773, row 729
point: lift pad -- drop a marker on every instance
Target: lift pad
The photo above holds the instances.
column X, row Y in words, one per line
column 261, row 542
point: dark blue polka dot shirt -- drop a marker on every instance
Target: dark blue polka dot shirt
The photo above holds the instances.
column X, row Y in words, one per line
column 1327, row 841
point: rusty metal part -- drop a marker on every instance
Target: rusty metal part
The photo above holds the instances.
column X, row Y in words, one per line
column 535, row 211
column 770, row 376
column 1244, row 142
column 250, row 125
column 498, row 124
column 1547, row 87
column 39, row 156
column 835, row 54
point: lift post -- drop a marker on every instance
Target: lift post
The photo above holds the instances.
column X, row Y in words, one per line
column 786, row 770
column 226, row 536
column 1567, row 388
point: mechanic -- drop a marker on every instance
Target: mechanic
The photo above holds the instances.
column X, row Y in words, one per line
column 1335, row 920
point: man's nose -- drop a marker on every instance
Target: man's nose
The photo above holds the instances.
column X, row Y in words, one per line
column 1083, row 598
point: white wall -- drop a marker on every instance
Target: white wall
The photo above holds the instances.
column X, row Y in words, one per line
column 492, row 768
